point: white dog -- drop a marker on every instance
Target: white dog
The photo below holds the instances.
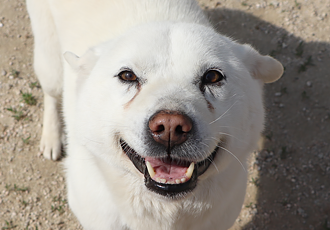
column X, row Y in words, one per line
column 160, row 111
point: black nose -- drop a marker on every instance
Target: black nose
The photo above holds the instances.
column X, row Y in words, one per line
column 170, row 128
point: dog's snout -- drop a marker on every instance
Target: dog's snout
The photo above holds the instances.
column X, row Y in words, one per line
column 170, row 128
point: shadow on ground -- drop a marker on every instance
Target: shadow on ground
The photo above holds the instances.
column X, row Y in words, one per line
column 294, row 184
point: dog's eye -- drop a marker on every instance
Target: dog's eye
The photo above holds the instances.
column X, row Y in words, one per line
column 127, row 76
column 212, row 76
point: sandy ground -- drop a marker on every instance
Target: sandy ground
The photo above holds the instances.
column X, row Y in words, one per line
column 289, row 182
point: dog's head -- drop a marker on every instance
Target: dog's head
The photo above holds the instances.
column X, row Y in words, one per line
column 169, row 101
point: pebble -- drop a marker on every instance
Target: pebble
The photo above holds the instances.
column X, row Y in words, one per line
column 3, row 72
column 309, row 83
column 302, row 213
column 275, row 3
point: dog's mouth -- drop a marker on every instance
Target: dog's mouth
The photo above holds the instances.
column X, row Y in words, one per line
column 168, row 176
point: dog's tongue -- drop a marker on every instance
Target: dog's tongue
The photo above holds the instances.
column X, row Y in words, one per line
column 169, row 171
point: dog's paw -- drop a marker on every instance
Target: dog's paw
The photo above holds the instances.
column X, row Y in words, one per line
column 50, row 146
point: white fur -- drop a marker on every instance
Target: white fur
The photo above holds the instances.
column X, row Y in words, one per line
column 169, row 44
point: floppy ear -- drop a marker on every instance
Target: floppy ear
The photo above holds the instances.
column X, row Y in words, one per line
column 261, row 67
column 82, row 65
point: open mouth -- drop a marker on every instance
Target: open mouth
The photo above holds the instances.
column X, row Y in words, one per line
column 168, row 176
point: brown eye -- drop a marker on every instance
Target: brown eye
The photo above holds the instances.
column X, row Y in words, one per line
column 212, row 76
column 127, row 76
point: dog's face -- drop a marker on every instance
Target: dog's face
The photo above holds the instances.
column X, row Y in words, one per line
column 164, row 103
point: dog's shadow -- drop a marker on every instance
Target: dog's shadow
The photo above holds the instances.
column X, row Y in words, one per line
column 294, row 164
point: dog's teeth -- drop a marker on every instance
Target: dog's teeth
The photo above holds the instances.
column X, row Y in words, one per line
column 190, row 170
column 183, row 180
column 158, row 179
column 150, row 169
column 171, row 182
column 163, row 181
column 177, row 181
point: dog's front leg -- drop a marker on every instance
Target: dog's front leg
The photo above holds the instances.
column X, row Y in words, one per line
column 49, row 70
column 50, row 143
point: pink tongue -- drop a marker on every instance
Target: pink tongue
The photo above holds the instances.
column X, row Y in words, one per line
column 167, row 170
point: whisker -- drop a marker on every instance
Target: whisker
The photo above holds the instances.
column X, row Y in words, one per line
column 215, row 166
column 234, row 95
column 204, row 144
column 223, row 114
column 205, row 153
column 213, row 139
column 233, row 156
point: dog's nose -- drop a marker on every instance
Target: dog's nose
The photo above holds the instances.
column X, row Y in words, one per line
column 170, row 128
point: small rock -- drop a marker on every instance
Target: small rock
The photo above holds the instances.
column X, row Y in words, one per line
column 3, row 72
column 302, row 213
column 309, row 83
column 275, row 3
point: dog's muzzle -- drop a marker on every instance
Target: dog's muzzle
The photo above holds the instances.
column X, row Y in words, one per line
column 169, row 176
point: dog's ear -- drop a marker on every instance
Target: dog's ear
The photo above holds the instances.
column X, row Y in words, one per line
column 82, row 65
column 261, row 67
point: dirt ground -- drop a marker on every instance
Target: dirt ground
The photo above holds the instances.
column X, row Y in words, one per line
column 289, row 182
